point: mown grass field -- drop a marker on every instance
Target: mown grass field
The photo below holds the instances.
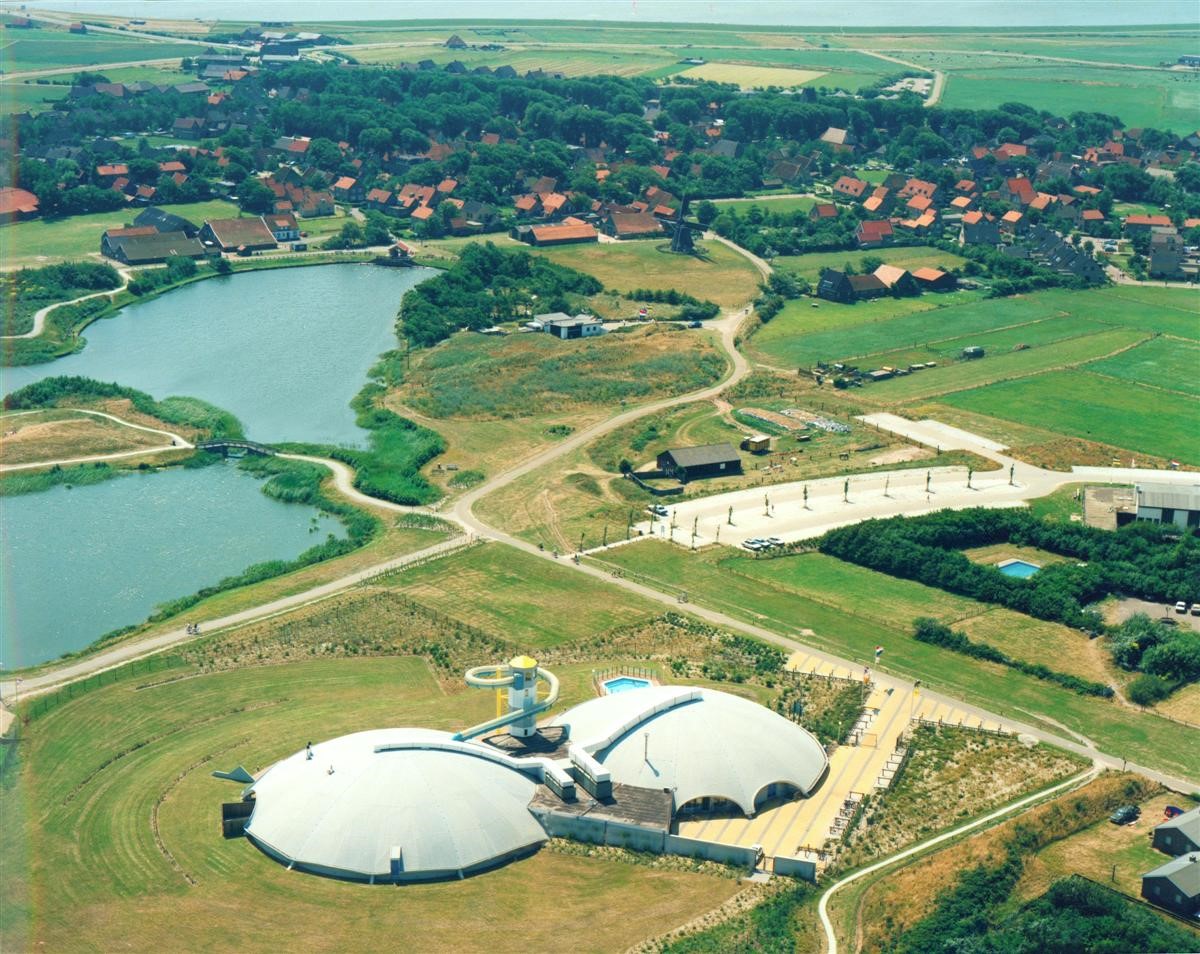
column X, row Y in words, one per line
column 506, row 591
column 720, row 275
column 51, row 435
column 45, row 241
column 47, row 48
column 713, row 578
column 111, row 837
column 1091, row 406
column 750, row 77
column 27, row 97
column 1170, row 363
column 768, row 203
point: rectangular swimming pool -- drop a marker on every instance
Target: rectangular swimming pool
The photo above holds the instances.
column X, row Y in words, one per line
column 624, row 684
column 1018, row 568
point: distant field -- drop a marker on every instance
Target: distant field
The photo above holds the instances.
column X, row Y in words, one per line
column 1090, row 406
column 44, row 241
column 723, row 275
column 19, row 97
column 42, row 49
column 749, row 77
column 1160, row 362
column 799, row 203
column 811, row 265
column 570, row 62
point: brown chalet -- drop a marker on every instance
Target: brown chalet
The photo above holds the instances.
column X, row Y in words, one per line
column 632, row 225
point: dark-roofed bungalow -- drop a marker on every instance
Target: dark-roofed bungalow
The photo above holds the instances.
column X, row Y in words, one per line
column 695, row 463
column 162, row 221
column 1179, row 835
column 835, row 285
column 147, row 249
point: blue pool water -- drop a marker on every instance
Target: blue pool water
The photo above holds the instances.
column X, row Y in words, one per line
column 1018, row 568
column 624, row 684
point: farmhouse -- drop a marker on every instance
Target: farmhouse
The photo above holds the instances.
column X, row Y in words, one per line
column 1175, row 885
column 148, row 247
column 17, row 204
column 163, row 221
column 632, row 225
column 1179, row 835
column 1168, row 503
column 695, row 463
column 1144, row 223
column 229, row 235
column 842, row 140
column 835, row 286
column 561, row 234
column 873, row 233
column 850, row 187
column 283, row 226
column 934, row 279
column 897, row 280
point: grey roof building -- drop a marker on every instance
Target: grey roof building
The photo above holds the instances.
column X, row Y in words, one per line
column 706, row 460
column 1179, row 835
column 1169, row 503
column 1175, row 885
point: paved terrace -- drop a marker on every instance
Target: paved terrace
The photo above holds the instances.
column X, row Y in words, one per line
column 782, row 510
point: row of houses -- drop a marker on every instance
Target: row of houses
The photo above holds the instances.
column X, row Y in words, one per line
column 157, row 235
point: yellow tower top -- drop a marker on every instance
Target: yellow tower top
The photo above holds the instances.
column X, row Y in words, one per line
column 522, row 662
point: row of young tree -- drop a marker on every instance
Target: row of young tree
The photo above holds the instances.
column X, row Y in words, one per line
column 1146, row 560
column 487, row 285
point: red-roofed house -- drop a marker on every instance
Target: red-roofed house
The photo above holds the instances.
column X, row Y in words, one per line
column 528, row 204
column 446, row 186
column 283, row 226
column 1144, row 223
column 979, row 229
column 1010, row 150
column 632, row 225
column 113, row 171
column 823, row 210
column 850, row 187
column 1020, row 191
column 965, row 186
column 490, row 139
column 915, row 187
column 422, row 213
column 16, row 204
column 1013, row 221
column 874, row 232
column 934, row 279
column 552, row 202
column 348, row 190
column 381, row 200
column 562, row 234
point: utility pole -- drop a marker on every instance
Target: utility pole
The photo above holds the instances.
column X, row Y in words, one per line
column 580, row 541
column 970, row 474
column 846, row 491
column 605, row 541
column 731, row 516
column 766, row 505
column 806, row 496
column 1012, row 469
column 887, row 482
column 928, row 479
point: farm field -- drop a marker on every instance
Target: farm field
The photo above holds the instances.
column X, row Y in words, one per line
column 1162, row 362
column 45, row 241
column 1086, row 405
column 811, row 265
column 46, row 48
column 506, row 591
column 1140, row 46
column 569, row 62
column 28, row 97
column 112, row 838
column 722, row 275
column 781, row 606
column 750, row 77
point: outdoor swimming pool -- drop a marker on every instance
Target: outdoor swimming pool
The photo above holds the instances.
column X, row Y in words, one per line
column 624, row 684
column 1018, row 568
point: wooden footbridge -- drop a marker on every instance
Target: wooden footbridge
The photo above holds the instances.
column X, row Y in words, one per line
column 236, row 448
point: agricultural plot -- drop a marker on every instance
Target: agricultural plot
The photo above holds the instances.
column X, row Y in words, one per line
column 718, row 273
column 569, row 62
column 1168, row 363
column 29, row 97
column 751, row 77
column 1085, row 405
column 43, row 49
column 112, row 825
column 45, row 241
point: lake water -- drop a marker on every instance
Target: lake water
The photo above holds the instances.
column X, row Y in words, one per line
column 284, row 350
column 79, row 563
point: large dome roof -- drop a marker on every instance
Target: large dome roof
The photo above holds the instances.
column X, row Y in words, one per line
column 450, row 810
column 709, row 744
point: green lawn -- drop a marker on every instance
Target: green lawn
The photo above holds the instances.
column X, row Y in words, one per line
column 111, row 833
column 45, row 241
column 715, row 579
column 811, row 265
column 1093, row 407
column 768, row 203
column 50, row 49
column 22, row 97
column 1170, row 363
column 506, row 591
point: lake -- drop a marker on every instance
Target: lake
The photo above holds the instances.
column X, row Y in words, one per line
column 78, row 563
column 284, row 350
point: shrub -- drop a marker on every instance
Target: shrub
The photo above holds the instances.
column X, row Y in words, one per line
column 1146, row 690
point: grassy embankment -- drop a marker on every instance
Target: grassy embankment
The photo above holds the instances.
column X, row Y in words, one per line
column 57, row 434
column 851, row 613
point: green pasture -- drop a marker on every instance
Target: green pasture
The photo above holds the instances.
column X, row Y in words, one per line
column 570, row 62
column 112, row 840
column 45, row 241
column 1119, row 45
column 811, row 265
column 45, row 48
column 956, row 375
column 525, row 598
column 1169, row 363
column 724, row 582
column 29, row 97
column 785, row 203
column 1095, row 408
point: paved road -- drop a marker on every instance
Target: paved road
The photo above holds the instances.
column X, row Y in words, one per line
column 178, row 442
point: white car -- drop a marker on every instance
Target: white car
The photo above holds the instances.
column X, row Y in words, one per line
column 1181, row 607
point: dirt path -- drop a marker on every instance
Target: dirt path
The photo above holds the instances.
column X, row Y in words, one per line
column 39, row 318
column 178, row 442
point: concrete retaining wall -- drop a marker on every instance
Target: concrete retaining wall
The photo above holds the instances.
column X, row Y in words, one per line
column 621, row 835
column 796, row 868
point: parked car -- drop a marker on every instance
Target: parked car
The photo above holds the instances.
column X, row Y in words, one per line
column 1125, row 815
column 774, row 541
column 1181, row 607
column 1196, row 609
column 659, row 510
